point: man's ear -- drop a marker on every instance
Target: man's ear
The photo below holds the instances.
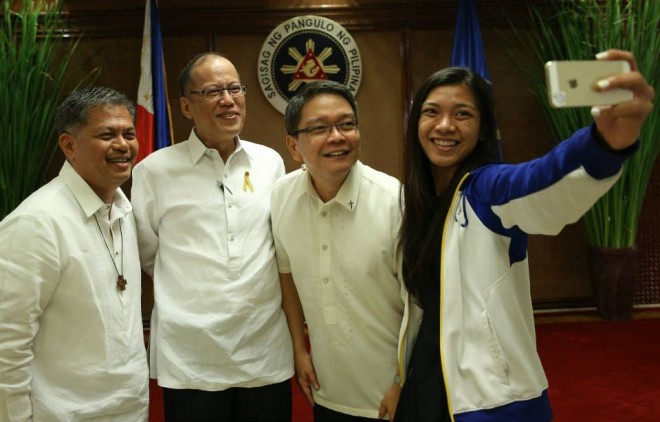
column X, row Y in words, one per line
column 292, row 145
column 68, row 145
column 185, row 107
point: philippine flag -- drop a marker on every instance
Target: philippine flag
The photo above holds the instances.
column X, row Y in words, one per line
column 152, row 120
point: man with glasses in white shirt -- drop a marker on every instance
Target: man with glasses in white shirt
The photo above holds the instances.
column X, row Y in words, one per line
column 219, row 345
column 335, row 226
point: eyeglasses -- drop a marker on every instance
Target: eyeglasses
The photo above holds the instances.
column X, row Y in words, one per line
column 215, row 93
column 345, row 128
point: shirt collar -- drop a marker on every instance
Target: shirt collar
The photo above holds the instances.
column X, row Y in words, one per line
column 348, row 193
column 198, row 149
column 88, row 199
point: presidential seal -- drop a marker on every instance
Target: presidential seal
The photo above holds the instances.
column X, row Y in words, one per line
column 305, row 49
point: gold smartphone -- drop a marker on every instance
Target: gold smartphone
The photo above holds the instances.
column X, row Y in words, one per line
column 570, row 83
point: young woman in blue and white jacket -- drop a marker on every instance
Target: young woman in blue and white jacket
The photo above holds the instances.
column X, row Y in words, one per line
column 464, row 236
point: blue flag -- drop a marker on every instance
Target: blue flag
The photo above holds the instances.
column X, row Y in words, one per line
column 468, row 49
column 161, row 106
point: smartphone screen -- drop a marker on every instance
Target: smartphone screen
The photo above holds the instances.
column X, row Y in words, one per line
column 570, row 83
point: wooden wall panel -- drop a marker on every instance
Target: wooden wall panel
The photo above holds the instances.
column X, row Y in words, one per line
column 379, row 99
column 401, row 44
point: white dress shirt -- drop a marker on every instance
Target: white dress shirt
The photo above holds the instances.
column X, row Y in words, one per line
column 204, row 235
column 341, row 255
column 71, row 343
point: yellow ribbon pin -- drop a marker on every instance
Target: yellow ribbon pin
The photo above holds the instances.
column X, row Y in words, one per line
column 246, row 182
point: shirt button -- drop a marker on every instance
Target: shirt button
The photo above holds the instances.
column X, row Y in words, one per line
column 325, row 279
column 229, row 206
column 324, row 213
column 324, row 247
column 231, row 237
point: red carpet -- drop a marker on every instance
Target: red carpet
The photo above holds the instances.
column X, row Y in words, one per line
column 602, row 371
column 597, row 370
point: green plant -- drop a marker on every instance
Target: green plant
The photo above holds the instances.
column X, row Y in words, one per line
column 33, row 71
column 577, row 30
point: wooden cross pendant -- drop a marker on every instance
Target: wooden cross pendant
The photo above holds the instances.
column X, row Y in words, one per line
column 121, row 283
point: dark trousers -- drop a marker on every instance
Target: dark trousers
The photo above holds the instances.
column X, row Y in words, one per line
column 323, row 414
column 270, row 403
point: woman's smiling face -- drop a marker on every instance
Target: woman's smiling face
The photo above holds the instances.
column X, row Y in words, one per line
column 449, row 126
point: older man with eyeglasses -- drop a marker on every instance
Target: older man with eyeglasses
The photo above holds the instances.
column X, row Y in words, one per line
column 220, row 347
column 341, row 276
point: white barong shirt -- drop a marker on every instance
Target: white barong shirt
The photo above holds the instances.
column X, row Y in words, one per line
column 71, row 344
column 204, row 236
column 341, row 255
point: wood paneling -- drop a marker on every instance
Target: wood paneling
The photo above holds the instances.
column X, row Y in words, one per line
column 112, row 18
column 401, row 44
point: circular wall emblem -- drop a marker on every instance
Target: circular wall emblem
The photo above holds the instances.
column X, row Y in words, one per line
column 305, row 49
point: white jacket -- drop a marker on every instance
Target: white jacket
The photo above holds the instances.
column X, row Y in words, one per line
column 491, row 369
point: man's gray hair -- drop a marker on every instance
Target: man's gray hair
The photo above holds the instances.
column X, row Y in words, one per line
column 74, row 110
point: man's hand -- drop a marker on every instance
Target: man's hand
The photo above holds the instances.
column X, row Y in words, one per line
column 389, row 402
column 306, row 376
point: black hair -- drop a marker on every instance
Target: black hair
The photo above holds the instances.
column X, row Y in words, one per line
column 420, row 225
column 307, row 93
